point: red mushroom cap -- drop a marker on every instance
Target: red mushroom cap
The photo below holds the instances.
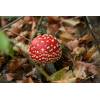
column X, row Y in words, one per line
column 45, row 49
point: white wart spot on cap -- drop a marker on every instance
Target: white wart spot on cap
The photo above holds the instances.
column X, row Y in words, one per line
column 42, row 50
column 52, row 40
column 37, row 44
column 39, row 38
column 42, row 41
column 37, row 51
column 47, row 41
column 37, row 57
column 54, row 47
column 51, row 50
column 48, row 47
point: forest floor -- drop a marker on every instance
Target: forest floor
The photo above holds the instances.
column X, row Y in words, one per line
column 80, row 42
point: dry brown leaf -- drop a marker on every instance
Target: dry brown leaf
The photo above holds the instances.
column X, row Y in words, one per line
column 71, row 22
column 28, row 80
column 82, row 68
column 21, row 36
column 27, row 19
column 96, row 58
column 19, row 81
column 90, row 52
column 65, row 37
column 71, row 30
column 86, row 38
column 14, row 30
column 52, row 28
column 9, row 76
column 53, row 19
column 78, row 50
column 72, row 44
column 4, row 21
column 18, row 24
column 16, row 64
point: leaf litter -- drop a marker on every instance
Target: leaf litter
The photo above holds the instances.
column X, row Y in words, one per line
column 80, row 61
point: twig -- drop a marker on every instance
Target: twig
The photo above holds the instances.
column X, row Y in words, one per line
column 11, row 23
column 20, row 35
column 39, row 22
column 92, row 32
column 92, row 76
column 37, row 27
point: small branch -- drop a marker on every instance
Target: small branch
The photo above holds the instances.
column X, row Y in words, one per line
column 39, row 22
column 37, row 27
column 11, row 23
column 21, row 35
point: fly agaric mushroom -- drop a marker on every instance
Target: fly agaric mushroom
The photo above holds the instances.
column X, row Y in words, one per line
column 45, row 49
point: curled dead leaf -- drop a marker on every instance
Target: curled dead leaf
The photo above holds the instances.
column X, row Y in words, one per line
column 82, row 68
column 89, row 55
column 86, row 38
column 78, row 50
column 71, row 21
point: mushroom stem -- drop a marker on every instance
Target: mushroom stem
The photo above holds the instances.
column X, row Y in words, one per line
column 42, row 71
column 51, row 68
